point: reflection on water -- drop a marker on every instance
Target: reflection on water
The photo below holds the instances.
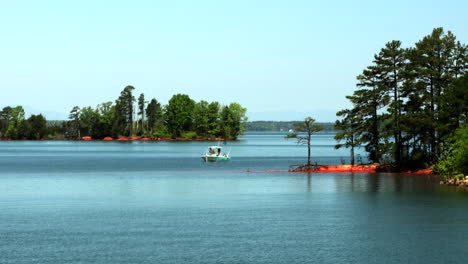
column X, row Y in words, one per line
column 155, row 202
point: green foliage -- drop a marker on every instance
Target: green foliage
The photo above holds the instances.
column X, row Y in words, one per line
column 105, row 113
column 190, row 134
column 179, row 114
column 454, row 105
column 89, row 119
column 390, row 64
column 430, row 74
column 74, row 125
column 213, row 119
column 226, row 122
column 231, row 122
column 201, row 119
column 154, row 115
column 141, row 113
column 161, row 132
column 36, row 127
column 367, row 101
column 16, row 129
column 182, row 117
column 348, row 131
column 15, row 126
column 455, row 159
column 123, row 123
column 4, row 120
column 409, row 102
column 238, row 119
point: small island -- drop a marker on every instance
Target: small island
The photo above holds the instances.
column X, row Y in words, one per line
column 181, row 119
column 409, row 111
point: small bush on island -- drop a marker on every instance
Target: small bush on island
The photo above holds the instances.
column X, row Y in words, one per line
column 455, row 160
column 190, row 134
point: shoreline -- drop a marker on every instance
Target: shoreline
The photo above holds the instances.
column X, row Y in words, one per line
column 462, row 182
column 371, row 168
column 120, row 139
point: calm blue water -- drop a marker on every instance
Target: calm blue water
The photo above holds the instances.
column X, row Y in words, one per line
column 156, row 202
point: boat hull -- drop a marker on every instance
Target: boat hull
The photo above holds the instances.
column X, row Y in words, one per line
column 215, row 158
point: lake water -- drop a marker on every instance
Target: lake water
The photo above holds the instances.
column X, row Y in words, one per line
column 157, row 202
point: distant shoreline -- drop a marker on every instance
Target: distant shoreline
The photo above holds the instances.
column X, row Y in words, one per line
column 120, row 139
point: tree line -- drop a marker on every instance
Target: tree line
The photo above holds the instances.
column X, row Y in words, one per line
column 282, row 125
column 14, row 125
column 408, row 102
column 182, row 117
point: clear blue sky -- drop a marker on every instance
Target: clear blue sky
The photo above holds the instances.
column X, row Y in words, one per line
column 282, row 60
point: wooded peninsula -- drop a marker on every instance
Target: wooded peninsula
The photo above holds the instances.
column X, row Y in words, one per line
column 410, row 108
column 182, row 117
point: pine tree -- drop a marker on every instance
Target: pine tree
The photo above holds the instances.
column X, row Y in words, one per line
column 213, row 119
column 141, row 113
column 153, row 115
column 391, row 62
column 367, row 101
column 431, row 69
column 75, row 122
column 123, row 124
column 347, row 129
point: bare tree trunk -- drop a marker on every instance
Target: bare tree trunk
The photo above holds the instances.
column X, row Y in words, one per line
column 308, row 150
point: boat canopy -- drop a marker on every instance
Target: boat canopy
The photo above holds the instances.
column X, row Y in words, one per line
column 214, row 150
column 215, row 147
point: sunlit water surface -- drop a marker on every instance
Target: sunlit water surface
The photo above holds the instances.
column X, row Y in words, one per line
column 157, row 202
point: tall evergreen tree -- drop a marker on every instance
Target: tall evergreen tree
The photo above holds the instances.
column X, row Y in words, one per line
column 411, row 99
column 226, row 121
column 213, row 119
column 154, row 115
column 4, row 120
column 123, row 124
column 347, row 129
column 391, row 62
column 75, row 123
column 431, row 68
column 367, row 101
column 141, row 113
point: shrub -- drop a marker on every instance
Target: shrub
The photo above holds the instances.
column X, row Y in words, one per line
column 455, row 161
column 190, row 134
